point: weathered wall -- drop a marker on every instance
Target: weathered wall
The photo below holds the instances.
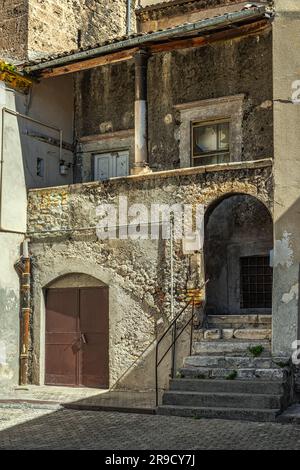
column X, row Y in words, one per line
column 13, row 27
column 54, row 25
column 286, row 173
column 35, row 28
column 9, row 309
column 241, row 66
column 137, row 272
column 173, row 13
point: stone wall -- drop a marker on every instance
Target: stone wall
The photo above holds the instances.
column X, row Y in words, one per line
column 240, row 66
column 137, row 272
column 13, row 27
column 56, row 26
column 36, row 28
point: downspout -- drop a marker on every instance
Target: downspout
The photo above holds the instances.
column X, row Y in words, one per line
column 141, row 164
column 128, row 21
column 24, row 269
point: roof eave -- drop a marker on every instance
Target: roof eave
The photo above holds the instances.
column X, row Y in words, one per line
column 190, row 29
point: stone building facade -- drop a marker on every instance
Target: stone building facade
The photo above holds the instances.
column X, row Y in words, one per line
column 196, row 113
column 33, row 28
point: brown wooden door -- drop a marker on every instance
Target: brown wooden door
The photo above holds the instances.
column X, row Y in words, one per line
column 77, row 338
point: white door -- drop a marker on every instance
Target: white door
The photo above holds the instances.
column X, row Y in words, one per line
column 111, row 165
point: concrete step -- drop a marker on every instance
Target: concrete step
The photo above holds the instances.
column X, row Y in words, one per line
column 228, row 386
column 231, row 347
column 224, row 400
column 291, row 415
column 268, row 374
column 241, row 414
column 239, row 321
column 234, row 362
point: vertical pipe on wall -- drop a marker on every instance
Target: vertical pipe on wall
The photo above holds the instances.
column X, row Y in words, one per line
column 128, row 20
column 141, row 121
column 25, row 270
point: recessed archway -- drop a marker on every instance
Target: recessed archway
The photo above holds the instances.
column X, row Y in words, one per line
column 238, row 243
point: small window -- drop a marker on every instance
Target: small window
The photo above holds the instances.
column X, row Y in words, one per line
column 210, row 143
column 40, row 167
column 256, row 282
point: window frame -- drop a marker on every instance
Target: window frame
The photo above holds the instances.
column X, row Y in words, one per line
column 196, row 124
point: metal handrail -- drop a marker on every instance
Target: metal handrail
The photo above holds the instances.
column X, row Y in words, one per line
column 176, row 336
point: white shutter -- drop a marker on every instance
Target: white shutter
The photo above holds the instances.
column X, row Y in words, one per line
column 102, row 167
column 110, row 165
column 122, row 164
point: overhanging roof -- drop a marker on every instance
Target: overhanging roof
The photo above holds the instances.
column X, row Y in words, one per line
column 136, row 41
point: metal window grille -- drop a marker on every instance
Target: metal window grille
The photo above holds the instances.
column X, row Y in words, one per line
column 256, row 282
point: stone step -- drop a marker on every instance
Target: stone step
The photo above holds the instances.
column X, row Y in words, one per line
column 228, row 386
column 234, row 362
column 239, row 321
column 240, row 374
column 233, row 347
column 241, row 414
column 224, row 400
column 217, row 334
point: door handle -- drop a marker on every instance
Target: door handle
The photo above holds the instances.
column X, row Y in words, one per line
column 83, row 338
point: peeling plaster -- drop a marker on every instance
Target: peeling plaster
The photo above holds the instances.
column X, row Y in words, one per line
column 293, row 294
column 283, row 253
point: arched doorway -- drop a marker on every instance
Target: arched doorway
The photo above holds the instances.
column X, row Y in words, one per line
column 238, row 242
column 77, row 332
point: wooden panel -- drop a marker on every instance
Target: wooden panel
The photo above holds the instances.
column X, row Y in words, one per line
column 62, row 337
column 94, row 326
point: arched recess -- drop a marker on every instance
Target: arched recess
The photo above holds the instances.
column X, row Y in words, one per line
column 77, row 332
column 237, row 249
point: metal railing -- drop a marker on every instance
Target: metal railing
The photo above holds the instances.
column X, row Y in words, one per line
column 175, row 337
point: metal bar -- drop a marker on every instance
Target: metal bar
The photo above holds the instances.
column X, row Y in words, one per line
column 192, row 328
column 128, row 21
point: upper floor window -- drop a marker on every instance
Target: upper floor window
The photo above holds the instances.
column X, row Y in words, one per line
column 210, row 131
column 210, row 142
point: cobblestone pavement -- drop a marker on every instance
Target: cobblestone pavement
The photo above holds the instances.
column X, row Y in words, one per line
column 68, row 429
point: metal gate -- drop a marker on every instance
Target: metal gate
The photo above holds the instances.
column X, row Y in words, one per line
column 77, row 337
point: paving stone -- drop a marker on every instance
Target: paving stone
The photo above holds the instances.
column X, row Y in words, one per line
column 84, row 430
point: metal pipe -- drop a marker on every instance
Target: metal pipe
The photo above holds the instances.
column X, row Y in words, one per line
column 26, row 118
column 141, row 113
column 25, row 313
column 128, row 21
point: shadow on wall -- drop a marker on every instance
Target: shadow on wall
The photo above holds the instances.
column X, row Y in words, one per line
column 238, row 228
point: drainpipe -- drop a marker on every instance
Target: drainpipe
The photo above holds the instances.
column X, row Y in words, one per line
column 141, row 121
column 24, row 269
column 128, row 21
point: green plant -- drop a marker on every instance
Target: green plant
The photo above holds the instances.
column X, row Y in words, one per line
column 4, row 67
column 232, row 375
column 256, row 351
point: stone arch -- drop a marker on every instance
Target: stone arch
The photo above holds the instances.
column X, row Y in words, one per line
column 238, row 233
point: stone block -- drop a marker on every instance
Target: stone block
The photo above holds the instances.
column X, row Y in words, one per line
column 227, row 333
column 253, row 334
column 212, row 334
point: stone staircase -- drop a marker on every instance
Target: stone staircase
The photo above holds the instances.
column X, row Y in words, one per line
column 231, row 374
